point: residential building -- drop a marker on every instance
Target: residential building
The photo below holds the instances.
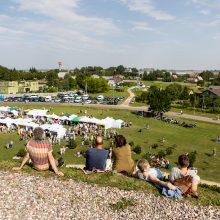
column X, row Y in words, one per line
column 13, row 87
column 212, row 91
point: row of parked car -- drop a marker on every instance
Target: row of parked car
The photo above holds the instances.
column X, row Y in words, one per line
column 66, row 98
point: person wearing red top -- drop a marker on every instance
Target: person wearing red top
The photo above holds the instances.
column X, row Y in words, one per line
column 40, row 153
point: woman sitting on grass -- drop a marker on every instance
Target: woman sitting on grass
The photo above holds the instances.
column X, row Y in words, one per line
column 123, row 163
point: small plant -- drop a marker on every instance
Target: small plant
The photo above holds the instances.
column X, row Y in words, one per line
column 131, row 143
column 137, row 149
column 86, row 142
column 72, row 144
column 192, row 158
column 154, row 146
column 169, row 151
column 122, row 204
column 21, row 152
column 161, row 154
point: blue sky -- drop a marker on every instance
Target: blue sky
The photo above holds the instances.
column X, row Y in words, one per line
column 170, row 34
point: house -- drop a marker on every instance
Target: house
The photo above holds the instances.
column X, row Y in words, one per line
column 118, row 78
column 62, row 74
column 13, row 87
column 212, row 91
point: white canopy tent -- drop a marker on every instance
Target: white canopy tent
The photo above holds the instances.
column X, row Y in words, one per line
column 37, row 112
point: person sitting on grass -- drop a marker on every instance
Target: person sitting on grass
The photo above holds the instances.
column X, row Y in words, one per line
column 96, row 157
column 153, row 175
column 40, row 153
column 121, row 153
column 178, row 173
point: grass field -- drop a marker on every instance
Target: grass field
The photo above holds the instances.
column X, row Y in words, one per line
column 163, row 85
column 201, row 139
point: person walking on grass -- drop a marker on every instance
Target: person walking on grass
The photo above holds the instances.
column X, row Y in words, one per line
column 40, row 153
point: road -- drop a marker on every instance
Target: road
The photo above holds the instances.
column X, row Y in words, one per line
column 121, row 107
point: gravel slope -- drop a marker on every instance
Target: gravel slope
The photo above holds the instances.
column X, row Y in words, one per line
column 23, row 196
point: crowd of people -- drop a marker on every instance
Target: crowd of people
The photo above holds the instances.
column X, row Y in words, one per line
column 118, row 158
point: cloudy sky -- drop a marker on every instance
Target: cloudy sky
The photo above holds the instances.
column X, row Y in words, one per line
column 173, row 34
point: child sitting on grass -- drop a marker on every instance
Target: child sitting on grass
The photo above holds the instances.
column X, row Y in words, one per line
column 153, row 175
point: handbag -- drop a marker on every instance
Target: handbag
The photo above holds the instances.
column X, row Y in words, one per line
column 184, row 183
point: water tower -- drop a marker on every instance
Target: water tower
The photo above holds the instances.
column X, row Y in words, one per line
column 60, row 65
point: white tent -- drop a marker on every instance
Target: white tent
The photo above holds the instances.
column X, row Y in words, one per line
column 53, row 116
column 59, row 129
column 111, row 123
column 37, row 112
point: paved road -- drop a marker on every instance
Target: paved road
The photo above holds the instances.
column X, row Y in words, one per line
column 122, row 107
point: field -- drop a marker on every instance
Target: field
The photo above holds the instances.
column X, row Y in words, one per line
column 202, row 139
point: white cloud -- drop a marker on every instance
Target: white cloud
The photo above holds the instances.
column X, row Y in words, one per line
column 205, row 12
column 147, row 7
column 66, row 12
column 143, row 26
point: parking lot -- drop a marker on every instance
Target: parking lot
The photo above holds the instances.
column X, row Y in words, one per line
column 70, row 97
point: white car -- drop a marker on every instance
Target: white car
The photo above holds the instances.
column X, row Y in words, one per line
column 88, row 101
column 85, row 97
column 78, row 99
column 100, row 97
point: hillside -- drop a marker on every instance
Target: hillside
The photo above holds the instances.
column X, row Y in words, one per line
column 24, row 196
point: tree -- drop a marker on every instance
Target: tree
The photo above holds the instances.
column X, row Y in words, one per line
column 158, row 100
column 185, row 93
column 174, row 91
column 206, row 75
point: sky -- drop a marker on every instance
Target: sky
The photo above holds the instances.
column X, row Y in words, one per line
column 168, row 34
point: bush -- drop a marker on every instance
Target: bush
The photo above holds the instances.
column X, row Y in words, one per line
column 161, row 154
column 131, row 143
column 169, row 150
column 192, row 158
column 21, row 152
column 72, row 144
column 137, row 149
column 154, row 146
column 86, row 142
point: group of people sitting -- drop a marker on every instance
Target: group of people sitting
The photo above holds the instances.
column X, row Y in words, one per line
column 40, row 150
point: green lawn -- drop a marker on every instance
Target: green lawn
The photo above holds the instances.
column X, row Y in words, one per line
column 201, row 139
column 163, row 85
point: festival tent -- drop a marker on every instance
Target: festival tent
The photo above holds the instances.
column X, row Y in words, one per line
column 53, row 116
column 59, row 129
column 85, row 119
column 7, row 121
column 111, row 123
column 96, row 121
column 64, row 118
column 75, row 120
column 37, row 112
column 71, row 117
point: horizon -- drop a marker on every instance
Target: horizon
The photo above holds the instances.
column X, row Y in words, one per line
column 164, row 35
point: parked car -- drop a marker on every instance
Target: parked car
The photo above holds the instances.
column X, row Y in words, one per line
column 100, row 97
column 78, row 99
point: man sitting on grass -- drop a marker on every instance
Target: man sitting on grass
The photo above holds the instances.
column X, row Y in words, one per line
column 40, row 153
column 96, row 157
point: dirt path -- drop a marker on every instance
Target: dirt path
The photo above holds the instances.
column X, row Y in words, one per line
column 131, row 96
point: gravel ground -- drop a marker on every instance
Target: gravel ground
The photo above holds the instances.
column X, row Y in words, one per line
column 24, row 196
